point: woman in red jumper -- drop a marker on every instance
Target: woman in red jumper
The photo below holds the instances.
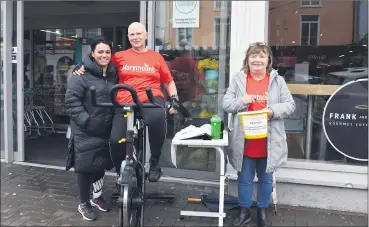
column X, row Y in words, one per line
column 256, row 87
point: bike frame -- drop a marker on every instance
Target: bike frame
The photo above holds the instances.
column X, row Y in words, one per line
column 132, row 168
column 135, row 141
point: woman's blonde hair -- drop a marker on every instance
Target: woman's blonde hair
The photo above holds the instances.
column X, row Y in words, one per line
column 256, row 48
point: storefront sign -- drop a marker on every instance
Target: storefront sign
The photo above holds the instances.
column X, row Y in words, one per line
column 317, row 57
column 186, row 14
column 345, row 120
column 14, row 54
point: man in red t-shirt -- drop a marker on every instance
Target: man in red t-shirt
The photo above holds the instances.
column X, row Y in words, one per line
column 141, row 70
column 141, row 67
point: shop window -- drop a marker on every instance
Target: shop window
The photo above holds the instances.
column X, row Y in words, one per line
column 199, row 69
column 92, row 32
column 311, row 3
column 316, row 57
column 71, row 33
column 309, row 29
column 122, row 42
column 55, row 53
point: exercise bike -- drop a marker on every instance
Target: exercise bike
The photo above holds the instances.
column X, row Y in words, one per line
column 132, row 177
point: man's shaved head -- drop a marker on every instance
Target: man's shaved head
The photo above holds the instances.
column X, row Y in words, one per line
column 136, row 25
column 137, row 35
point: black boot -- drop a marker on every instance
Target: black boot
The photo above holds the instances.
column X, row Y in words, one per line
column 262, row 217
column 243, row 217
column 155, row 171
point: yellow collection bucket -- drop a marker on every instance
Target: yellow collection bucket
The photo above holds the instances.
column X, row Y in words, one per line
column 254, row 124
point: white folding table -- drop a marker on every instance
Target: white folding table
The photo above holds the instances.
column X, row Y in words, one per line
column 218, row 145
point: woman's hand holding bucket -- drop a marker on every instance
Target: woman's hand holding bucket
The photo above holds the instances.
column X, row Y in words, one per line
column 270, row 112
column 247, row 99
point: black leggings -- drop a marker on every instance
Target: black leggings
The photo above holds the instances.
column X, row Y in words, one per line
column 85, row 181
column 155, row 118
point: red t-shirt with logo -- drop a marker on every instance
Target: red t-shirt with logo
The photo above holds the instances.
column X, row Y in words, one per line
column 141, row 70
column 257, row 148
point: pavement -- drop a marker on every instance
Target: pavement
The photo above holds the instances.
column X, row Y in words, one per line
column 33, row 196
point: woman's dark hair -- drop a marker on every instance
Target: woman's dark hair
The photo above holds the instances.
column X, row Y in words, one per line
column 100, row 39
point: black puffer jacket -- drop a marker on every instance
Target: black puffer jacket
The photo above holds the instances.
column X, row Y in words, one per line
column 91, row 126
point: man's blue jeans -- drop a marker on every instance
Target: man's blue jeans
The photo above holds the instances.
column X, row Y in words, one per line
column 246, row 182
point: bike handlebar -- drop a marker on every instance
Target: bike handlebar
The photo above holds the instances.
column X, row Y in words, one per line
column 115, row 103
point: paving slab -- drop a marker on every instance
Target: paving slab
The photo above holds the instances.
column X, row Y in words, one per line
column 33, row 196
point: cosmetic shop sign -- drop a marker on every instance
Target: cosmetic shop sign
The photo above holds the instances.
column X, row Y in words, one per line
column 345, row 120
column 186, row 14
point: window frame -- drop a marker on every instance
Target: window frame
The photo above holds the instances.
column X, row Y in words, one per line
column 214, row 28
column 215, row 8
column 177, row 35
column 310, row 5
column 309, row 22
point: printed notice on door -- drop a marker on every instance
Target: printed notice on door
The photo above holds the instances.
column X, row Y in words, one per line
column 186, row 14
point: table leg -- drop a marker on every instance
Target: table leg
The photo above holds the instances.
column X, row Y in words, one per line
column 221, row 201
column 220, row 214
column 221, row 186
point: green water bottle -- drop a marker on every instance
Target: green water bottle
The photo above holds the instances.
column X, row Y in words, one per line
column 215, row 122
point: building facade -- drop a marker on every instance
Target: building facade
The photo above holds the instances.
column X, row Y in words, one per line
column 318, row 46
column 311, row 23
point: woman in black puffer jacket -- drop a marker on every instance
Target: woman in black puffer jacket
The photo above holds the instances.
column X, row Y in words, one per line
column 91, row 126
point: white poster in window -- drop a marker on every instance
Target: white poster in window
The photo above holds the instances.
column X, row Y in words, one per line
column 302, row 72
column 186, row 14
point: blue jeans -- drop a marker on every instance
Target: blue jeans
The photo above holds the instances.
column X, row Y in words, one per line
column 246, row 182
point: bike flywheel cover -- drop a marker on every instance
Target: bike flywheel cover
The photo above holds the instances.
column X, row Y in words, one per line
column 130, row 211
